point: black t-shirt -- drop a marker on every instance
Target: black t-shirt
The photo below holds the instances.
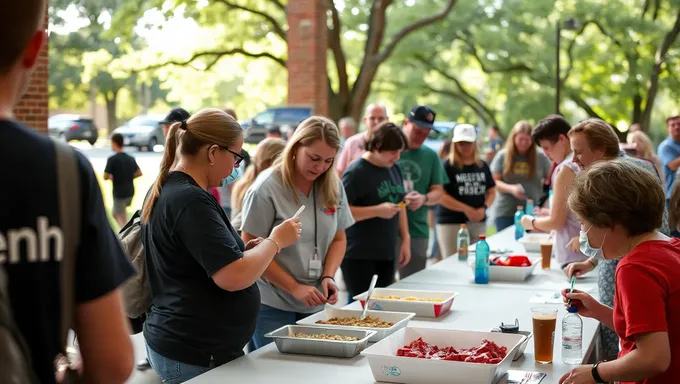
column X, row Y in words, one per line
column 123, row 168
column 29, row 229
column 367, row 185
column 468, row 185
column 187, row 240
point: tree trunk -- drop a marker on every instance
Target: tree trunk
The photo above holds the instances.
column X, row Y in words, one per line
column 637, row 108
column 111, row 110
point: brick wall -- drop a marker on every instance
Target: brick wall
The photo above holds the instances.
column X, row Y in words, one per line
column 307, row 49
column 32, row 110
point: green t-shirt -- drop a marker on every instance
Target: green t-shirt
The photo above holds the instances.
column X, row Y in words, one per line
column 421, row 169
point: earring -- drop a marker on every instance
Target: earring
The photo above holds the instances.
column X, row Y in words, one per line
column 212, row 163
column 293, row 157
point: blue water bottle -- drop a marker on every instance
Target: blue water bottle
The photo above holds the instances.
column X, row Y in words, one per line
column 530, row 207
column 482, row 261
column 519, row 230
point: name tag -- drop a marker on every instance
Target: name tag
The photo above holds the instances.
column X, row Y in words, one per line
column 315, row 266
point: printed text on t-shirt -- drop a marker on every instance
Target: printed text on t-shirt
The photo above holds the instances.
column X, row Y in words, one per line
column 471, row 184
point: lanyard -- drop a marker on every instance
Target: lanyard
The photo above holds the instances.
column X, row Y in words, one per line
column 316, row 251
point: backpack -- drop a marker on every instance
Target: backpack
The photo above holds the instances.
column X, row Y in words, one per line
column 136, row 292
column 15, row 356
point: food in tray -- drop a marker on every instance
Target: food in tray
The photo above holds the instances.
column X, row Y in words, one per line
column 323, row 336
column 511, row 261
column 401, row 204
column 486, row 353
column 407, row 298
column 368, row 322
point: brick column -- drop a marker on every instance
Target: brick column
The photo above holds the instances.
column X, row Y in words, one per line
column 307, row 52
column 32, row 109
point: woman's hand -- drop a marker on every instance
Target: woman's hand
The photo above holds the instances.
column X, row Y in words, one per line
column 540, row 211
column 578, row 269
column 287, row 233
column 518, row 191
column 579, row 375
column 253, row 243
column 309, row 295
column 476, row 215
column 586, row 304
column 527, row 222
column 330, row 290
column 404, row 253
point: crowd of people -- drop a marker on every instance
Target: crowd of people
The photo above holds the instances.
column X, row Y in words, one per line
column 308, row 206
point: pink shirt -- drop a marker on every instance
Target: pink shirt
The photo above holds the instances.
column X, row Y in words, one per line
column 351, row 151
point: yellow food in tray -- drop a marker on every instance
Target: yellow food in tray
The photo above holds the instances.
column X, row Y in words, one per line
column 323, row 336
column 408, row 298
column 368, row 322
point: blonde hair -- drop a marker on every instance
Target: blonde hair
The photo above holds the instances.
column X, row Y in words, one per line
column 266, row 152
column 455, row 158
column 521, row 126
column 599, row 135
column 207, row 126
column 618, row 192
column 312, row 129
column 648, row 150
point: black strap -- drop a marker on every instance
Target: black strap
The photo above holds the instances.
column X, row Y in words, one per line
column 316, row 249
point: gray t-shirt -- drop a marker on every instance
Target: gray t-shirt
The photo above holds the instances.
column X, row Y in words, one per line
column 506, row 204
column 268, row 203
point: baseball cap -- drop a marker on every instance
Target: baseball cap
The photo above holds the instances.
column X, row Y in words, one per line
column 464, row 132
column 177, row 114
column 422, row 116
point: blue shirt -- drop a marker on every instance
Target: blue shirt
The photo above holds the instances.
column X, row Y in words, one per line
column 669, row 150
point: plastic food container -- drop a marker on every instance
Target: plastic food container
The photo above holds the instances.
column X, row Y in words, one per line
column 505, row 273
column 400, row 320
column 379, row 302
column 532, row 241
column 319, row 347
column 388, row 367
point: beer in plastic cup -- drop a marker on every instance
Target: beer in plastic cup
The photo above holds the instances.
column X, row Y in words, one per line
column 546, row 253
column 544, row 320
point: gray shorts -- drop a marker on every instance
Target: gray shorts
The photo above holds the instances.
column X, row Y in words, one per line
column 120, row 205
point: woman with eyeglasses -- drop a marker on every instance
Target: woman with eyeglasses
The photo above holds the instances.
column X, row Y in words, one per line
column 201, row 274
column 621, row 206
column 300, row 280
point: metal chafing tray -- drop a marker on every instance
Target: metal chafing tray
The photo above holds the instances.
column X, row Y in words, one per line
column 319, row 347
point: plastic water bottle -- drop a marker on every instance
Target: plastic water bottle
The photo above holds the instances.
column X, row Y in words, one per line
column 463, row 242
column 530, row 207
column 572, row 337
column 519, row 230
column 482, row 261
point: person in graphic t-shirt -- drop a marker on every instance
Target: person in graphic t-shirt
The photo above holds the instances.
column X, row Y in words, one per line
column 375, row 189
column 423, row 178
column 621, row 206
column 469, row 192
column 121, row 169
column 31, row 239
column 519, row 171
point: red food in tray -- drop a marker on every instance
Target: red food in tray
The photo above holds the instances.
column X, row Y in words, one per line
column 486, row 353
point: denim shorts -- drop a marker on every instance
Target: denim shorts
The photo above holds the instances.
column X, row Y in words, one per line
column 172, row 371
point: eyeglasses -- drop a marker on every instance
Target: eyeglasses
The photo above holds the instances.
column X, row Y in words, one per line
column 239, row 157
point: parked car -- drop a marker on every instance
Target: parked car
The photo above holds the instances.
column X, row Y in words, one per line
column 257, row 126
column 70, row 127
column 443, row 131
column 143, row 132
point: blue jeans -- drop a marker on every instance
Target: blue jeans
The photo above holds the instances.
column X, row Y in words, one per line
column 504, row 222
column 172, row 371
column 270, row 319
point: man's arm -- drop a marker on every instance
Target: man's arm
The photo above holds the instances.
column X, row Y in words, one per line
column 669, row 158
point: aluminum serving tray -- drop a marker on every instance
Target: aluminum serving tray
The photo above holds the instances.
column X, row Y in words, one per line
column 400, row 320
column 319, row 347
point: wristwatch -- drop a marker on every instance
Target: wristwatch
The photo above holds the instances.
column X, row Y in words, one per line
column 596, row 375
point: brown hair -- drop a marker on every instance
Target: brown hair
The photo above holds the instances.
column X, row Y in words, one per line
column 310, row 130
column 618, row 192
column 455, row 157
column 266, row 152
column 550, row 128
column 231, row 112
column 21, row 21
column 599, row 135
column 207, row 126
column 648, row 150
column 674, row 208
column 387, row 137
column 521, row 126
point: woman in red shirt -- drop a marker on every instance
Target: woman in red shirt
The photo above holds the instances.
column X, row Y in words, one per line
column 620, row 206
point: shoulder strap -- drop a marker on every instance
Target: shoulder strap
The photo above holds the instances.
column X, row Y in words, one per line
column 69, row 216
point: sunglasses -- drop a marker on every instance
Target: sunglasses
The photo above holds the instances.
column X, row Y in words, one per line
column 238, row 156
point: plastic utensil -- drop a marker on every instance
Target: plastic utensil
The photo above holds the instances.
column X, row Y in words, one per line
column 573, row 280
column 374, row 280
column 299, row 211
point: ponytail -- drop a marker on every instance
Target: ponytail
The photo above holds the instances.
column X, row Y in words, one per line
column 166, row 163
